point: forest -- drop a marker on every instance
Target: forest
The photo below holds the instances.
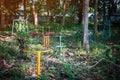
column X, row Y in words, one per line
column 59, row 40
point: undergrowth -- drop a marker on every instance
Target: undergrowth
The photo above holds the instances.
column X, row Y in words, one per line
column 106, row 57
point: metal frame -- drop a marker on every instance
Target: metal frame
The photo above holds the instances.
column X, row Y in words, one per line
column 19, row 21
column 46, row 37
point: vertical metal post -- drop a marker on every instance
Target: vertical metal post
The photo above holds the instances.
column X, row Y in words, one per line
column 20, row 26
column 13, row 27
column 38, row 63
column 60, row 40
column 60, row 44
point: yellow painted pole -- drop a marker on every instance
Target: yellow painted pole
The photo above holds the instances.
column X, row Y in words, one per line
column 39, row 60
column 38, row 63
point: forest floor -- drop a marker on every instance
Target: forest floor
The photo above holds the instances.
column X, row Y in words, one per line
column 72, row 64
column 65, row 67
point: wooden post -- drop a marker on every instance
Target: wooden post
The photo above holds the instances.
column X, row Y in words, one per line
column 3, row 20
column 25, row 3
column 38, row 63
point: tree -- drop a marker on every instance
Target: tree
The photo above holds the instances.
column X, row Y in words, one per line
column 35, row 14
column 2, row 15
column 8, row 12
column 85, row 25
column 95, row 19
column 63, row 12
column 50, row 8
column 25, row 5
column 79, row 5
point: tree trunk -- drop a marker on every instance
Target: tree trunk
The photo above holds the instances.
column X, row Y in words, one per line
column 104, row 10
column 80, row 12
column 85, row 26
column 48, row 17
column 35, row 14
column 3, row 21
column 80, row 17
column 63, row 20
column 64, row 9
column 95, row 19
column 2, row 15
column 25, row 3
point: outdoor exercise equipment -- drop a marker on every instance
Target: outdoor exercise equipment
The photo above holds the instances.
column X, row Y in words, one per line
column 38, row 60
column 25, row 48
column 60, row 44
column 20, row 25
column 44, row 51
column 46, row 37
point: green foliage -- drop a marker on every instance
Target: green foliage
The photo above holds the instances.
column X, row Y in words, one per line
column 13, row 74
column 31, row 27
column 91, row 10
column 54, row 27
column 22, row 56
column 7, row 51
column 21, row 28
column 112, row 57
column 35, row 47
column 72, row 39
column 73, row 10
column 43, row 77
column 22, row 34
column 118, row 10
column 79, row 34
column 66, row 69
column 98, row 48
